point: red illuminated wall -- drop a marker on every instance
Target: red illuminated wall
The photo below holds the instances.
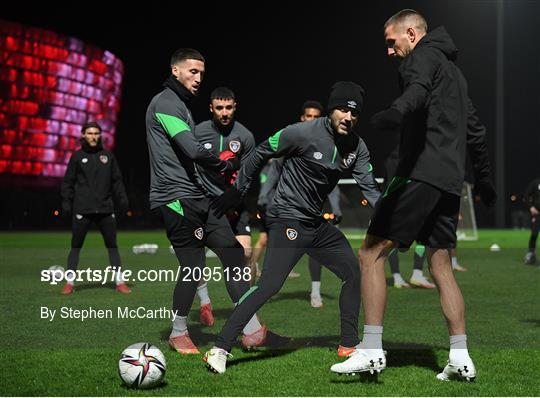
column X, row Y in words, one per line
column 50, row 85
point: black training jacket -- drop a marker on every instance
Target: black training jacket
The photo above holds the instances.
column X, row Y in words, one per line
column 92, row 179
column 440, row 121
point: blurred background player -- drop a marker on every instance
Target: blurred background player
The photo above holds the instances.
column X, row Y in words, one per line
column 91, row 181
column 532, row 201
column 226, row 138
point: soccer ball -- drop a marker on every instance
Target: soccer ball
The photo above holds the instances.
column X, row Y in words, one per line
column 57, row 271
column 142, row 365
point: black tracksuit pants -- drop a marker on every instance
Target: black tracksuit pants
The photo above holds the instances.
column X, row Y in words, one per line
column 535, row 227
column 288, row 241
column 106, row 223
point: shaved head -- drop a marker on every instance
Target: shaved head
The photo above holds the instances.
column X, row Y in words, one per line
column 407, row 19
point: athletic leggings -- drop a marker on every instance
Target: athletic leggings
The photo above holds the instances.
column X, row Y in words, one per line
column 288, row 241
column 419, row 256
column 535, row 227
column 315, row 269
column 80, row 226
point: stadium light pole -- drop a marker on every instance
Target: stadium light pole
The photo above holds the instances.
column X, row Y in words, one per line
column 500, row 210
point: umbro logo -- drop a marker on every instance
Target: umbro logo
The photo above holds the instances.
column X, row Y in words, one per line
column 317, row 155
column 199, row 233
column 291, row 234
column 351, row 104
column 208, row 145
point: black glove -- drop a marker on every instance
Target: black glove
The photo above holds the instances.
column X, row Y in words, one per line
column 389, row 118
column 229, row 199
column 485, row 188
column 66, row 209
column 232, row 164
column 123, row 205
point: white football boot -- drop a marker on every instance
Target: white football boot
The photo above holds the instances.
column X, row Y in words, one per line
column 216, row 359
column 464, row 371
column 372, row 361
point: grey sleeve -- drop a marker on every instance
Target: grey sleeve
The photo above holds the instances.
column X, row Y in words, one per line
column 283, row 143
column 249, row 146
column 173, row 122
column 364, row 177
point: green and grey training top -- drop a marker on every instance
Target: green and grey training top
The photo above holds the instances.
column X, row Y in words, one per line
column 316, row 158
column 173, row 149
column 239, row 140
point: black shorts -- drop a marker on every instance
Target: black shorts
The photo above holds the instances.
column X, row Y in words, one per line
column 189, row 221
column 240, row 223
column 412, row 210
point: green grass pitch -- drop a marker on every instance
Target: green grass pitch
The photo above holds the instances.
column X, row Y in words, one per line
column 70, row 357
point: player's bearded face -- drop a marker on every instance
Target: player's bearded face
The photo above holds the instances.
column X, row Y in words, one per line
column 223, row 111
column 92, row 136
column 343, row 120
column 190, row 73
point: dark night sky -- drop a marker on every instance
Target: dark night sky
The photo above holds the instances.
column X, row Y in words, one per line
column 275, row 57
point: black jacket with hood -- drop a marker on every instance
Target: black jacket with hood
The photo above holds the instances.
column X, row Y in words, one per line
column 92, row 179
column 440, row 121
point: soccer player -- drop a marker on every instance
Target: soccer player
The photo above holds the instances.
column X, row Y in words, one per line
column 422, row 201
column 226, row 138
column 91, row 181
column 532, row 201
column 317, row 153
column 180, row 199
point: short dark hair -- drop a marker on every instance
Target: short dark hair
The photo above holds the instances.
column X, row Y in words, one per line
column 407, row 16
column 88, row 125
column 312, row 104
column 223, row 93
column 185, row 53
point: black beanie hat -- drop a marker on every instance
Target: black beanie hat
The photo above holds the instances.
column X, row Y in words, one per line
column 346, row 95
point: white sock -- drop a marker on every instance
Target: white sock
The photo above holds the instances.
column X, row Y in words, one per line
column 70, row 283
column 417, row 274
column 202, row 292
column 316, row 289
column 179, row 327
column 398, row 278
column 454, row 262
column 372, row 339
column 119, row 276
column 458, row 348
column 252, row 326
